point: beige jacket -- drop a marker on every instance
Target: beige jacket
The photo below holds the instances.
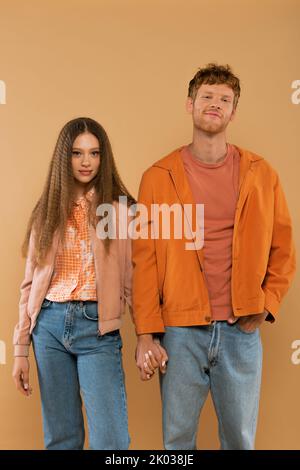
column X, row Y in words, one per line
column 113, row 284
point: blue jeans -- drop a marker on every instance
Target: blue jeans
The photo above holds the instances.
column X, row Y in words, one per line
column 219, row 358
column 74, row 362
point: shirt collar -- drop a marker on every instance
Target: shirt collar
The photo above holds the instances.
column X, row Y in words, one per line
column 82, row 200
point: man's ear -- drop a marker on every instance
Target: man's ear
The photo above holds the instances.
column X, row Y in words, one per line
column 189, row 104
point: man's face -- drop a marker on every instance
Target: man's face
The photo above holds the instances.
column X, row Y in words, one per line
column 212, row 109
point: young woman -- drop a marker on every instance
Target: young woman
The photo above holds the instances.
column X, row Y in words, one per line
column 73, row 296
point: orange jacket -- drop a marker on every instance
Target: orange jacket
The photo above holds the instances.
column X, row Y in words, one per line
column 169, row 286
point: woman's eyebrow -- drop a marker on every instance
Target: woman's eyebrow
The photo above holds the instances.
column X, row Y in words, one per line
column 79, row 148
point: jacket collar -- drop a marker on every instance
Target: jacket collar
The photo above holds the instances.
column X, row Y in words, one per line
column 170, row 161
column 173, row 163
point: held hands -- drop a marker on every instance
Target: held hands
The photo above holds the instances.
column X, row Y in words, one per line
column 21, row 375
column 249, row 323
column 150, row 355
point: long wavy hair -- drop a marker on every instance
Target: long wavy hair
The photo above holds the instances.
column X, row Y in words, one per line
column 54, row 206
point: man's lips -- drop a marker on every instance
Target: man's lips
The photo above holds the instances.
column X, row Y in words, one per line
column 213, row 114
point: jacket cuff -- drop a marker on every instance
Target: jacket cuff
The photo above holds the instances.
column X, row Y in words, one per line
column 154, row 326
column 272, row 305
column 21, row 350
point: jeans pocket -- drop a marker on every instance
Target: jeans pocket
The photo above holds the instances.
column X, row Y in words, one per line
column 113, row 333
column 111, row 338
column 243, row 331
column 43, row 311
column 90, row 311
column 46, row 303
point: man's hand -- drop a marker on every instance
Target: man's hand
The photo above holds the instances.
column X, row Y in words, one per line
column 250, row 322
column 149, row 356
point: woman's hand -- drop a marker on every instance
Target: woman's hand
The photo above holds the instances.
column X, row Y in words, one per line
column 149, row 356
column 21, row 375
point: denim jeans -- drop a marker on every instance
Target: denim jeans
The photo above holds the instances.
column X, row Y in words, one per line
column 219, row 358
column 74, row 363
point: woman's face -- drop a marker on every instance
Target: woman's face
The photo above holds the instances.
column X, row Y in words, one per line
column 85, row 158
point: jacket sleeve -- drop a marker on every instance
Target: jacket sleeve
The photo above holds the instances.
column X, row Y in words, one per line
column 282, row 260
column 128, row 275
column 21, row 337
column 147, row 313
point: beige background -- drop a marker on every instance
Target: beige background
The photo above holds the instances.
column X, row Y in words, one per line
column 127, row 64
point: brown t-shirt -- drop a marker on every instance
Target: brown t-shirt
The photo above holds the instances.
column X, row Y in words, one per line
column 216, row 186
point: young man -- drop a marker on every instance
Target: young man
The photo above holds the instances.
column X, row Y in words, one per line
column 207, row 304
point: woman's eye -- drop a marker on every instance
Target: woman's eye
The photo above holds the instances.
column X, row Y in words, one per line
column 95, row 153
column 75, row 153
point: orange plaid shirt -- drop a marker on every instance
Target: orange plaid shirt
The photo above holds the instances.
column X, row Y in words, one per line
column 74, row 271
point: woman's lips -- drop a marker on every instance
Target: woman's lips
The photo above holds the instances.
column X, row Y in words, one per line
column 85, row 173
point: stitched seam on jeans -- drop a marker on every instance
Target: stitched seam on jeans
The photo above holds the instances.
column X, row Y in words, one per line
column 123, row 394
column 257, row 391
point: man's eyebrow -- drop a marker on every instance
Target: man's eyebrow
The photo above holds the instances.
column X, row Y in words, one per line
column 211, row 93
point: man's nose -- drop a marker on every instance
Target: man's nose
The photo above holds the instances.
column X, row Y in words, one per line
column 215, row 105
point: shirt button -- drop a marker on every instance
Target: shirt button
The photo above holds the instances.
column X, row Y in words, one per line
column 207, row 319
